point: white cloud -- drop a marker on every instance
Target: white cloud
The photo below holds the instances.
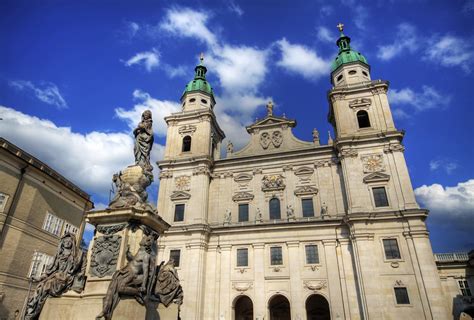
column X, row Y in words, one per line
column 428, row 98
column 443, row 164
column 325, row 35
column 175, row 71
column 301, row 60
column 325, row 10
column 450, row 51
column 235, row 8
column 45, row 91
column 159, row 110
column 452, row 205
column 149, row 59
column 186, row 22
column 405, row 40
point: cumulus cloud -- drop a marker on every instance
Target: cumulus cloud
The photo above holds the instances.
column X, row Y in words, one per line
column 301, row 60
column 450, row 51
column 443, row 164
column 89, row 160
column 148, row 59
column 159, row 109
column 452, row 205
column 46, row 92
column 405, row 40
column 325, row 35
column 186, row 22
column 235, row 8
column 427, row 98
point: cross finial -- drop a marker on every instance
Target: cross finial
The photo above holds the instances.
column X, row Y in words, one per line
column 201, row 57
column 340, row 26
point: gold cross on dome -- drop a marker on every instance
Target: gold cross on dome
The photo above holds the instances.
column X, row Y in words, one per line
column 340, row 26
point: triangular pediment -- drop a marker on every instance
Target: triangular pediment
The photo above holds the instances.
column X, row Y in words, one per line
column 271, row 121
column 376, row 177
column 180, row 195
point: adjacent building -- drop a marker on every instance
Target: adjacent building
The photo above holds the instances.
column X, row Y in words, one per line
column 37, row 206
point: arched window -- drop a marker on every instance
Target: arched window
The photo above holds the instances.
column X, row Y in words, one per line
column 186, row 144
column 317, row 307
column 275, row 209
column 363, row 119
column 279, row 308
column 243, row 308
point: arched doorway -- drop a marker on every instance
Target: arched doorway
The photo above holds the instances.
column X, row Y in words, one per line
column 243, row 308
column 279, row 308
column 317, row 308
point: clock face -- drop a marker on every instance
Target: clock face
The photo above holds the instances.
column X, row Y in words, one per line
column 182, row 183
column 373, row 163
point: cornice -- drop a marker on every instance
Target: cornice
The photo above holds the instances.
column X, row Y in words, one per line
column 195, row 114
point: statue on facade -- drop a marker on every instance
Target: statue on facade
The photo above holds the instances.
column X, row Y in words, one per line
column 330, row 141
column 290, row 212
column 58, row 276
column 324, row 210
column 228, row 217
column 134, row 279
column 316, row 137
column 269, row 108
column 144, row 141
column 258, row 216
column 167, row 288
column 230, row 147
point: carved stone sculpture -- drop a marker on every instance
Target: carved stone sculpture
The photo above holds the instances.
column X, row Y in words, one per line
column 265, row 140
column 273, row 182
column 167, row 287
column 57, row 278
column 277, row 138
column 230, row 147
column 258, row 216
column 316, row 137
column 324, row 210
column 227, row 217
column 144, row 141
column 133, row 280
column 104, row 255
column 290, row 212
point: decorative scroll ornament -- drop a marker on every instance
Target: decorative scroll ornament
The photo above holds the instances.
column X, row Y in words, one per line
column 111, row 229
column 241, row 286
column 305, row 190
column 277, row 138
column 265, row 140
column 357, row 103
column 187, row 130
column 373, row 163
column 315, row 285
column 273, row 182
column 104, row 255
column 349, row 152
column 242, row 196
column 182, row 183
column 394, row 147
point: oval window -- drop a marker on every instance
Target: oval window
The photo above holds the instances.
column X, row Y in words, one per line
column 365, row 73
column 192, row 100
column 339, row 78
column 352, row 72
column 204, row 101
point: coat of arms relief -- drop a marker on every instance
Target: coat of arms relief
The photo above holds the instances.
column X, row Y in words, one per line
column 275, row 138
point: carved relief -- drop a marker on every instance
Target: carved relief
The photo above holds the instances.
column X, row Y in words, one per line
column 357, row 103
column 394, row 147
column 277, row 138
column 273, row 182
column 305, row 190
column 182, row 183
column 304, row 174
column 166, row 174
column 349, row 152
column 373, row 163
column 104, row 255
column 241, row 196
column 241, row 286
column 180, row 195
column 315, row 285
column 201, row 170
column 243, row 180
column 265, row 140
column 257, row 171
column 111, row 229
column 187, row 130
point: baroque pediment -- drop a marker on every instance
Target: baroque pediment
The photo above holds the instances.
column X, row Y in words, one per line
column 180, row 195
column 241, row 196
column 270, row 121
column 305, row 190
column 376, row 177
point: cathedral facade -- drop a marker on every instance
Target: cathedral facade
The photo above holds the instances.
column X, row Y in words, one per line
column 291, row 229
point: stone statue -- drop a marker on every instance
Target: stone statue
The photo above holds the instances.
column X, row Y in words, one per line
column 230, row 147
column 167, row 288
column 258, row 216
column 228, row 217
column 290, row 212
column 58, row 276
column 324, row 210
column 269, row 108
column 330, row 141
column 144, row 141
column 316, row 137
column 134, row 279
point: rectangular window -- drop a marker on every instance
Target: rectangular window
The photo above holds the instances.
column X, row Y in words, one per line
column 3, row 201
column 380, row 197
column 312, row 255
column 308, row 209
column 276, row 256
column 242, row 257
column 390, row 247
column 243, row 212
column 69, row 228
column 176, row 256
column 401, row 294
column 464, row 286
column 39, row 263
column 179, row 212
column 53, row 224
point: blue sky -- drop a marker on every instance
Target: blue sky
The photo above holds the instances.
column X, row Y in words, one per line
column 76, row 75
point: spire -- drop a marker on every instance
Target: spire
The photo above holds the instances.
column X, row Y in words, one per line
column 343, row 42
column 346, row 53
column 200, row 70
column 199, row 83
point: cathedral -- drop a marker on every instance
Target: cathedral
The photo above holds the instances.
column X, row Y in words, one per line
column 292, row 229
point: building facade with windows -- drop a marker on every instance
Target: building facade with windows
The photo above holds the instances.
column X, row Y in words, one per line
column 291, row 229
column 37, row 207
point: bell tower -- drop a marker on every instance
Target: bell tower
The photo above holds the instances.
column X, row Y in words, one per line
column 367, row 142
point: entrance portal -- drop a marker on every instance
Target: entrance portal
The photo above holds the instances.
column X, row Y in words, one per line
column 243, row 308
column 317, row 308
column 279, row 308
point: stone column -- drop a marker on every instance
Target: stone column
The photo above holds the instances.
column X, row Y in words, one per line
column 259, row 305
column 225, row 305
column 334, row 282
column 296, row 285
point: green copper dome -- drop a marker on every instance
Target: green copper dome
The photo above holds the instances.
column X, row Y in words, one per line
column 346, row 54
column 199, row 83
